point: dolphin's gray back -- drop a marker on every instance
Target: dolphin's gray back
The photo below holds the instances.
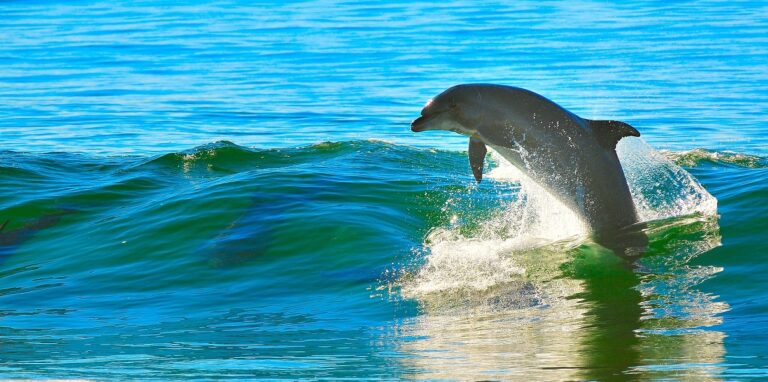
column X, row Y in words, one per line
column 562, row 152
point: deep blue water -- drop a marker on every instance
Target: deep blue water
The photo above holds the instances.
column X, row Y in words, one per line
column 231, row 190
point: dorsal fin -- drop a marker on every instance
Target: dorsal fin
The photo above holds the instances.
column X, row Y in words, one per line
column 609, row 132
column 2, row 226
column 477, row 153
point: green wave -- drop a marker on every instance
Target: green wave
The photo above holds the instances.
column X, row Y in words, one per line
column 697, row 157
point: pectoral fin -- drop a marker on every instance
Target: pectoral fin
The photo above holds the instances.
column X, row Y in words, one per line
column 608, row 133
column 477, row 153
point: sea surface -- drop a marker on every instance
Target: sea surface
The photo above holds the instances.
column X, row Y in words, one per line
column 230, row 190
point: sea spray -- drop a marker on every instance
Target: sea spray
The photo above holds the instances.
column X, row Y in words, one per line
column 528, row 274
column 457, row 262
column 660, row 188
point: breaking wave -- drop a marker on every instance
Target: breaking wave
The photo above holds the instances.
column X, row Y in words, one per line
column 505, row 247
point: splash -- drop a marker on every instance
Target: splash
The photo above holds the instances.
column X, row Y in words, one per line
column 535, row 216
column 660, row 188
column 498, row 253
column 458, row 264
column 526, row 275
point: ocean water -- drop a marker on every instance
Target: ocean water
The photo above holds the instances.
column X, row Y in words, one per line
column 230, row 190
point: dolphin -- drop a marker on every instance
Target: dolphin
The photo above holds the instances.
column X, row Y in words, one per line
column 247, row 237
column 573, row 158
column 253, row 234
column 10, row 240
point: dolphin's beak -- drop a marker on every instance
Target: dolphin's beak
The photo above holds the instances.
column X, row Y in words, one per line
column 418, row 124
column 422, row 123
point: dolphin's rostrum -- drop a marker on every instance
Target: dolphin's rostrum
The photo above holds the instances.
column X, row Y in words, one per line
column 572, row 157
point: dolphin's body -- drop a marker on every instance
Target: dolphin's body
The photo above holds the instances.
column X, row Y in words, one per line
column 247, row 237
column 573, row 158
column 10, row 240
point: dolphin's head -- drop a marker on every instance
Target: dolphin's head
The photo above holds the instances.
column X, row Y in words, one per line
column 456, row 109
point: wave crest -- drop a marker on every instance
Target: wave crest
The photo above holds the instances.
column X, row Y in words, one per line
column 696, row 157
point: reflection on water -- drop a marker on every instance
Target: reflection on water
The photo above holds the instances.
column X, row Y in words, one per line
column 577, row 313
column 504, row 332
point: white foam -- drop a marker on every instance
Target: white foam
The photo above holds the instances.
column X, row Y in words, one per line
column 491, row 255
column 463, row 263
column 488, row 294
column 534, row 218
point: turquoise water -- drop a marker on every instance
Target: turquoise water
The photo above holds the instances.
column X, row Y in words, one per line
column 232, row 190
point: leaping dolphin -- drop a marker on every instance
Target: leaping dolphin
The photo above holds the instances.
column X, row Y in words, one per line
column 572, row 157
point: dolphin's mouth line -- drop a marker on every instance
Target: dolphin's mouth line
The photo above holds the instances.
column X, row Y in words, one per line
column 418, row 124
